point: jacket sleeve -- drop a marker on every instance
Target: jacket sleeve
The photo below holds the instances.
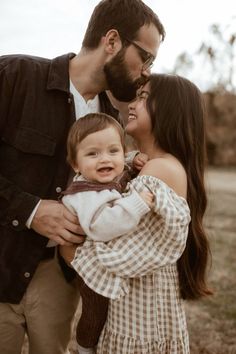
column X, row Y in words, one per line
column 106, row 215
column 15, row 204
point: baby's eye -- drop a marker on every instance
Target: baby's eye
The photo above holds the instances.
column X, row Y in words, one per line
column 113, row 151
column 92, row 153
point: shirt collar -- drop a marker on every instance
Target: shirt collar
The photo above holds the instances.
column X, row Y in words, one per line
column 58, row 76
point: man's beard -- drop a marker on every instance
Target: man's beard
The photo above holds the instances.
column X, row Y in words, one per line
column 119, row 81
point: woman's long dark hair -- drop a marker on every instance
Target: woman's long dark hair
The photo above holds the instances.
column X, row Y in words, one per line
column 177, row 111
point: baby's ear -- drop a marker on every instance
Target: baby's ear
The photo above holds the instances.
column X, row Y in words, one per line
column 75, row 167
column 76, row 170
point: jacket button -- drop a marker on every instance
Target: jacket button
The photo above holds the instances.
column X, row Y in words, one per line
column 58, row 189
column 26, row 274
column 15, row 222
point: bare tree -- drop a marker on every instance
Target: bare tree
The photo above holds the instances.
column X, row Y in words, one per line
column 216, row 57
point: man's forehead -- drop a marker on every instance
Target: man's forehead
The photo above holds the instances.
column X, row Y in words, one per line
column 149, row 37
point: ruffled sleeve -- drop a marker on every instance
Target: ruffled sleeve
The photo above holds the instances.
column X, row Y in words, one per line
column 158, row 240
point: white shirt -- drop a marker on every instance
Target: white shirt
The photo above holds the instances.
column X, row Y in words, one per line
column 83, row 107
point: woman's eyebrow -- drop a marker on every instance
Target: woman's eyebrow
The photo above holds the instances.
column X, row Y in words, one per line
column 143, row 91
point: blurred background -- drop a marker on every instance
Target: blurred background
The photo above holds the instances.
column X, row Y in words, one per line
column 201, row 45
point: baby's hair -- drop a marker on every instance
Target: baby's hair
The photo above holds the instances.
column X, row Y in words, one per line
column 89, row 124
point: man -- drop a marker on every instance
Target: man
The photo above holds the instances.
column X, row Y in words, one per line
column 39, row 100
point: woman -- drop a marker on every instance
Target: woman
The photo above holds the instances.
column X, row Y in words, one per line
column 165, row 257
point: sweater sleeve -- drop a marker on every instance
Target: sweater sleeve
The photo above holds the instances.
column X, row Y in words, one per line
column 106, row 215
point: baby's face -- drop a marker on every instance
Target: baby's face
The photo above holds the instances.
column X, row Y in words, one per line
column 100, row 156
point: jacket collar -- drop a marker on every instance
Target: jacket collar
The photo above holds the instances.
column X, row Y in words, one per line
column 58, row 76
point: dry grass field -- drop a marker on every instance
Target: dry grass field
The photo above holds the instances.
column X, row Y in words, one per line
column 212, row 321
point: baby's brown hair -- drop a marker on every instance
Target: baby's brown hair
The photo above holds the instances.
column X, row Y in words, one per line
column 89, row 124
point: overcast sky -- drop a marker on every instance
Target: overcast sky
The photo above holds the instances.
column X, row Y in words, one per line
column 52, row 27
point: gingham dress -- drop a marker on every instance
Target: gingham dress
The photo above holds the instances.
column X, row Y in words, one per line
column 138, row 272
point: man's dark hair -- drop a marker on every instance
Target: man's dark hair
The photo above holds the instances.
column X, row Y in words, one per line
column 125, row 16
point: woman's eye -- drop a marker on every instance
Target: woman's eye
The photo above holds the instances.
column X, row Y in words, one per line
column 142, row 96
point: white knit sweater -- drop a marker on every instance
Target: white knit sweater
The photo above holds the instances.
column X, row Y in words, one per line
column 100, row 213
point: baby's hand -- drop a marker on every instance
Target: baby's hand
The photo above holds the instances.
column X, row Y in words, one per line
column 140, row 160
column 147, row 197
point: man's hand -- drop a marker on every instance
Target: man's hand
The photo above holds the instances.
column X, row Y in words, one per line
column 53, row 220
column 139, row 160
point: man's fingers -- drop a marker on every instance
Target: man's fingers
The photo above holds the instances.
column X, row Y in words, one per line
column 61, row 241
column 70, row 236
column 55, row 221
column 67, row 238
column 72, row 223
column 73, row 228
column 70, row 217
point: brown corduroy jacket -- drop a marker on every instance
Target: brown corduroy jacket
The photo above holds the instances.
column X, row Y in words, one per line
column 36, row 112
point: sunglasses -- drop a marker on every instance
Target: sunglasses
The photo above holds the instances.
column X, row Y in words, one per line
column 146, row 57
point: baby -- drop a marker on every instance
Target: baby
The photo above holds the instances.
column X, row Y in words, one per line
column 96, row 152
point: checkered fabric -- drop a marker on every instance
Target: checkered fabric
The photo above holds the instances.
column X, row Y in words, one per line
column 141, row 265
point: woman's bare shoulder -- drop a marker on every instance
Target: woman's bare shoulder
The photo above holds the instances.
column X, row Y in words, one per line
column 170, row 171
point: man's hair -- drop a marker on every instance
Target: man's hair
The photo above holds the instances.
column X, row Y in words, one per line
column 89, row 124
column 125, row 16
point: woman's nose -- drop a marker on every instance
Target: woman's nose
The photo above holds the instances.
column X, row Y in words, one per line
column 131, row 105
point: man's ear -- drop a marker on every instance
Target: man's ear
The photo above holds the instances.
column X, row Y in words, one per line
column 112, row 41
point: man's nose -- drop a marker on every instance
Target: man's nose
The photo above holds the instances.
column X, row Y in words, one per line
column 146, row 72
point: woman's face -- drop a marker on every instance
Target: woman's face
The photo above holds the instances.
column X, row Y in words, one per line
column 139, row 122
